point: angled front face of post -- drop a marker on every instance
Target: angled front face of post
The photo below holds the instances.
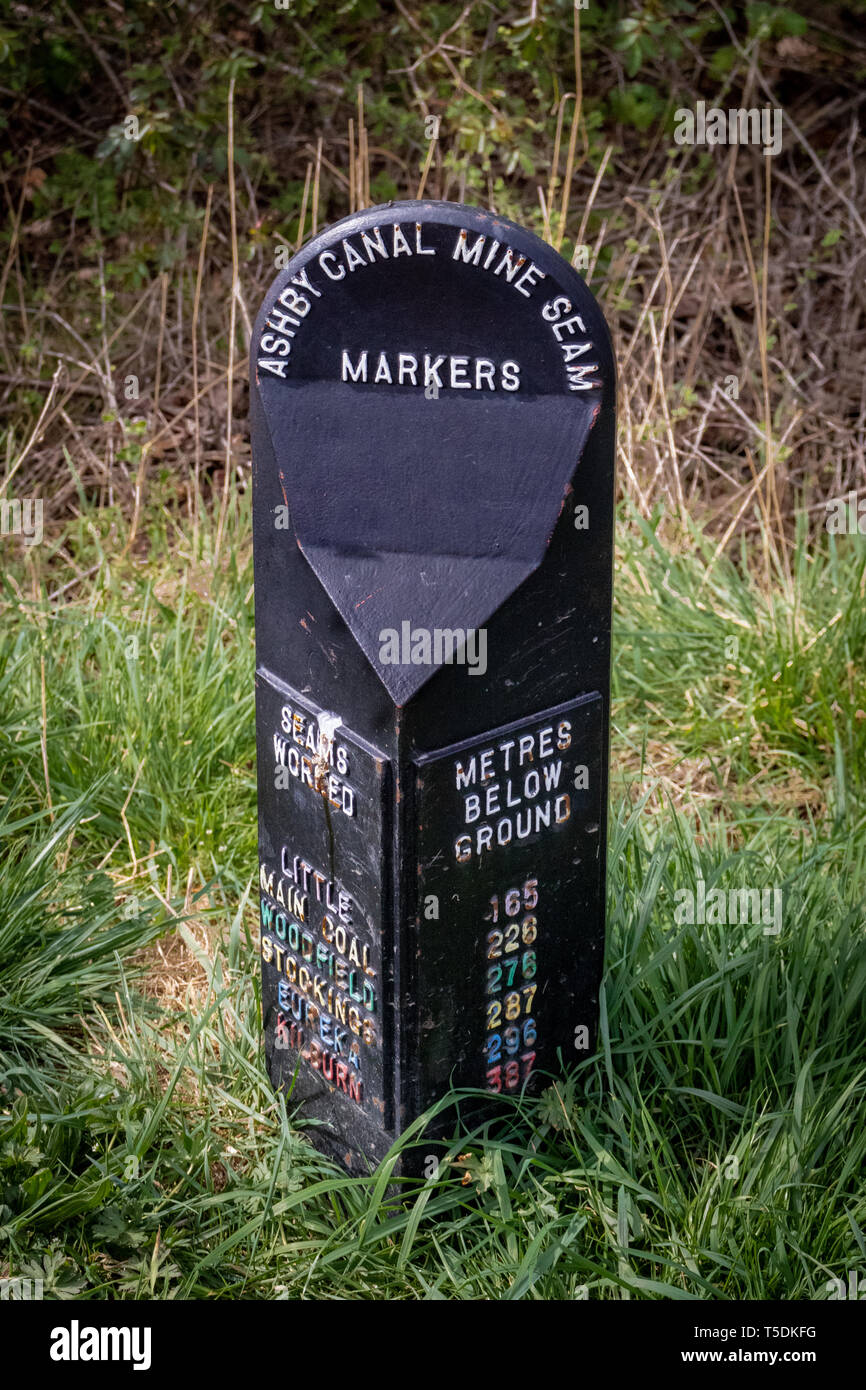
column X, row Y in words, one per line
column 433, row 441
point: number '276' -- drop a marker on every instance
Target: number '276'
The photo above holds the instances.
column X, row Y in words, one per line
column 502, row 976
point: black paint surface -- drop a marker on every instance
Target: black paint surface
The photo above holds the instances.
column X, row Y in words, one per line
column 378, row 505
column 566, row 871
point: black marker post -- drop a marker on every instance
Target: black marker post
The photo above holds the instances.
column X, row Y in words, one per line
column 433, row 402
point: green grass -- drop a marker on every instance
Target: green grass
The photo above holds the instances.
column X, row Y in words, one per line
column 713, row 1148
column 758, row 683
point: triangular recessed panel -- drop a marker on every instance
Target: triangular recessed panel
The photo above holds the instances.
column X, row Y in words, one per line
column 440, row 541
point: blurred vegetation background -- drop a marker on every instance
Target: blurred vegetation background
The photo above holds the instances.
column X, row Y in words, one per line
column 158, row 156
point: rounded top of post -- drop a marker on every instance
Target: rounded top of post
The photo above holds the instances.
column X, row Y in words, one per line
column 428, row 375
column 439, row 263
